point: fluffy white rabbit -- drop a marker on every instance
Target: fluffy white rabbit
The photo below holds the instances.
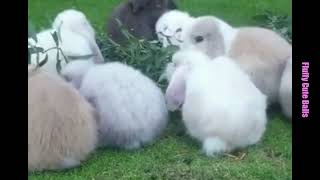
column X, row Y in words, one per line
column 77, row 39
column 170, row 25
column 260, row 52
column 72, row 45
column 221, row 107
column 77, row 22
column 286, row 89
column 62, row 129
column 131, row 108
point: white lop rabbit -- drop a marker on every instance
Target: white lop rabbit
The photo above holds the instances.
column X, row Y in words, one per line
column 221, row 107
column 260, row 52
column 286, row 89
column 62, row 130
column 131, row 108
column 72, row 45
column 77, row 22
column 170, row 25
column 77, row 39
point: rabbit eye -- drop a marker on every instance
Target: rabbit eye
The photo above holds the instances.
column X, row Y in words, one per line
column 198, row 39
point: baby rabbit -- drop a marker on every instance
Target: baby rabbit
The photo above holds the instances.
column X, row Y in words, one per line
column 72, row 45
column 170, row 25
column 61, row 126
column 260, row 52
column 138, row 17
column 286, row 89
column 78, row 23
column 131, row 108
column 221, row 107
column 77, row 39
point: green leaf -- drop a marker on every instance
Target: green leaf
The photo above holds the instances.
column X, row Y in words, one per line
column 35, row 50
column 123, row 30
column 55, row 38
column 281, row 24
column 58, row 66
column 29, row 57
column 119, row 23
column 147, row 56
column 58, row 56
column 80, row 57
column 44, row 61
column 112, row 42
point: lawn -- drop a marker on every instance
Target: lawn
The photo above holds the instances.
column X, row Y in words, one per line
column 175, row 155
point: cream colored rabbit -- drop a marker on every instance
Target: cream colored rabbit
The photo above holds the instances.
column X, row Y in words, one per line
column 61, row 125
column 221, row 107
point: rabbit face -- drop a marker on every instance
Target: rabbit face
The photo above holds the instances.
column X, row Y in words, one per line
column 170, row 25
column 204, row 34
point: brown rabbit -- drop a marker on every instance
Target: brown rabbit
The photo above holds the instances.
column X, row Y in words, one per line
column 61, row 126
column 138, row 17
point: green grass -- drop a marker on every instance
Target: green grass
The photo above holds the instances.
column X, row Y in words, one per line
column 175, row 155
column 236, row 12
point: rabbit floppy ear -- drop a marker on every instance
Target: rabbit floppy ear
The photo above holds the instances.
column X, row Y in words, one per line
column 175, row 93
column 98, row 59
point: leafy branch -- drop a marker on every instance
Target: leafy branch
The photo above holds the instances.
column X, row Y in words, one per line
column 278, row 23
column 34, row 49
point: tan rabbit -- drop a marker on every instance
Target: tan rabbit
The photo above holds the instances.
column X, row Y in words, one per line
column 61, row 125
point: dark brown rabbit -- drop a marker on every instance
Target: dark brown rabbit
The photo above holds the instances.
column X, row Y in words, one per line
column 138, row 17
